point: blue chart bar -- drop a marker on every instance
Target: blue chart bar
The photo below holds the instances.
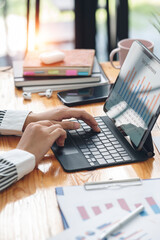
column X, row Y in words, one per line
column 90, row 233
column 155, row 208
column 132, row 95
column 135, row 97
column 104, row 226
column 141, row 106
column 126, row 84
column 80, row 238
column 120, row 89
column 124, row 92
column 143, row 213
column 129, row 88
column 144, row 109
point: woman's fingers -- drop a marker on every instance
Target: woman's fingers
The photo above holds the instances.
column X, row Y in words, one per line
column 67, row 113
column 83, row 115
column 58, row 134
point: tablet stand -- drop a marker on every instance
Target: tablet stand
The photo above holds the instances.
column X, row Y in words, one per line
column 148, row 146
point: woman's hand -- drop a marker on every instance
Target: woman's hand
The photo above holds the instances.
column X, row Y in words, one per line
column 57, row 115
column 38, row 138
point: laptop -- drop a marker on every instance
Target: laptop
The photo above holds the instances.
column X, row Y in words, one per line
column 131, row 111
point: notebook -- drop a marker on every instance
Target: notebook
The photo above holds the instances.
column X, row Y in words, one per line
column 23, row 81
column 77, row 62
column 131, row 111
column 97, row 72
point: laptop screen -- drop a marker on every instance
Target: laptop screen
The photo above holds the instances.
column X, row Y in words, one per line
column 135, row 97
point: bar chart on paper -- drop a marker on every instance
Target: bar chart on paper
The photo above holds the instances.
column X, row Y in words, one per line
column 137, row 229
column 109, row 205
column 87, row 211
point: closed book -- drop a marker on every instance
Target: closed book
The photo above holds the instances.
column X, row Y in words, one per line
column 56, row 87
column 77, row 62
column 21, row 81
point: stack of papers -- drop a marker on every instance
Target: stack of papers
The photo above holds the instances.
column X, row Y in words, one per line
column 87, row 213
column 41, row 83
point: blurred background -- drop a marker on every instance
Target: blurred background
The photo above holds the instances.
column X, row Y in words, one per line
column 67, row 24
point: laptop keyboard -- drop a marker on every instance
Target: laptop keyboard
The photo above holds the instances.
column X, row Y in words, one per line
column 99, row 148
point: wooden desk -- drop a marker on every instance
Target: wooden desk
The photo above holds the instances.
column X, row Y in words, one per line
column 28, row 209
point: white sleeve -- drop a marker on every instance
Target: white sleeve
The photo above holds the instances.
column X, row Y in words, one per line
column 12, row 121
column 14, row 165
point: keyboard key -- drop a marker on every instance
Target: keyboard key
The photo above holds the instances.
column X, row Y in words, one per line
column 106, row 154
column 127, row 158
column 101, row 161
column 119, row 160
column 115, row 154
column 87, row 153
column 103, row 150
column 124, row 154
column 91, row 163
column 106, row 141
column 108, row 157
column 84, row 150
column 100, row 135
column 95, row 152
column 102, row 138
column 121, row 149
column 98, row 156
column 110, row 148
column 107, row 144
column 72, row 131
column 91, row 146
column 118, row 146
column 100, row 146
column 97, row 143
column 110, row 161
column 112, row 139
column 113, row 151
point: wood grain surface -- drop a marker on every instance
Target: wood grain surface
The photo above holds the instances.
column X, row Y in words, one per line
column 28, row 209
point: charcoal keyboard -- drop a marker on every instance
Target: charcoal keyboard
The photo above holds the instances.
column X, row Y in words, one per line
column 99, row 148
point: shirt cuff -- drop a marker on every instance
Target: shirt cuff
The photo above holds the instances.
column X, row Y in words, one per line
column 24, row 161
column 13, row 121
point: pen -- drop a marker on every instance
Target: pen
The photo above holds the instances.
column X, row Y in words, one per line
column 122, row 222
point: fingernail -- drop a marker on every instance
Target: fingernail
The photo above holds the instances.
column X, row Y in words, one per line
column 76, row 125
column 61, row 144
column 97, row 129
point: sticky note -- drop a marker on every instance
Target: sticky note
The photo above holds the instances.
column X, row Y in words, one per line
column 39, row 72
column 71, row 72
column 83, row 73
column 28, row 73
column 53, row 72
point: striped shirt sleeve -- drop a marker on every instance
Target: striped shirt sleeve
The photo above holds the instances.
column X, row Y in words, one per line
column 14, row 165
column 12, row 121
column 8, row 174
